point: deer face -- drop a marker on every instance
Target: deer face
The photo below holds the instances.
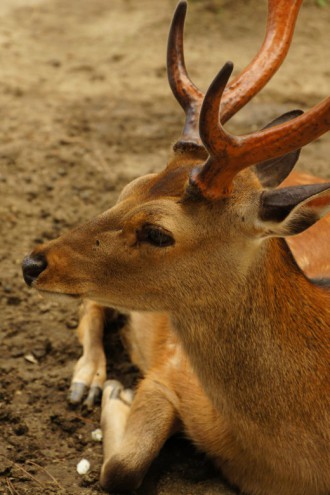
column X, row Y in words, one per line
column 144, row 252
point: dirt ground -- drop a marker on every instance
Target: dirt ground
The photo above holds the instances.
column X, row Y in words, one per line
column 85, row 107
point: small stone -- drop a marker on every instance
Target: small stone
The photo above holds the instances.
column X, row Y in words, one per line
column 72, row 323
column 83, row 466
column 97, row 435
column 30, row 358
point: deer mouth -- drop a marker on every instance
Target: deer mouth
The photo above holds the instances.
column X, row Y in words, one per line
column 58, row 296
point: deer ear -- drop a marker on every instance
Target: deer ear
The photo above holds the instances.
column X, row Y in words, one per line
column 272, row 172
column 291, row 210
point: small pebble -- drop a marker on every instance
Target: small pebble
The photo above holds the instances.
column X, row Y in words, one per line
column 30, row 358
column 83, row 466
column 97, row 435
column 72, row 323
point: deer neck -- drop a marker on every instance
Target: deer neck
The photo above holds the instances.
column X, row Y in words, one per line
column 252, row 336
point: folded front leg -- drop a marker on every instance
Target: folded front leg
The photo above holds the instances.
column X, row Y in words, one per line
column 90, row 371
column 134, row 434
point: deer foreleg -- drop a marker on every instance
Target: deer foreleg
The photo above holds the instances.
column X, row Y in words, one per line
column 90, row 371
column 134, row 434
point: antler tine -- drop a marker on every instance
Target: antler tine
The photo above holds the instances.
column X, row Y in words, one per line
column 219, row 144
column 281, row 21
column 209, row 116
column 231, row 154
column 282, row 16
column 187, row 94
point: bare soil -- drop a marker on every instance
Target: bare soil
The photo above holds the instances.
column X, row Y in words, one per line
column 85, row 107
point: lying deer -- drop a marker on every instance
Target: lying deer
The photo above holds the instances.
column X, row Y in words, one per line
column 231, row 335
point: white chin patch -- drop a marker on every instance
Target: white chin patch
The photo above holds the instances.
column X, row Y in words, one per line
column 57, row 296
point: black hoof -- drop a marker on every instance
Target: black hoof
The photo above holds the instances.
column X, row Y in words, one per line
column 76, row 393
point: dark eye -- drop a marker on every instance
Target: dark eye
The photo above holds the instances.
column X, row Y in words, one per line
column 155, row 236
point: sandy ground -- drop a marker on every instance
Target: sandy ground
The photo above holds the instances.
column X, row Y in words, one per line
column 85, row 107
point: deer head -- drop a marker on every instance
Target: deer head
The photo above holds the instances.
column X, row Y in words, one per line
column 191, row 232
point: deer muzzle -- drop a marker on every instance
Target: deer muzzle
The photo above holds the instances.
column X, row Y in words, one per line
column 33, row 266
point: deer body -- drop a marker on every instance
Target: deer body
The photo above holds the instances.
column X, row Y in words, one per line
column 231, row 336
column 265, row 376
column 263, row 388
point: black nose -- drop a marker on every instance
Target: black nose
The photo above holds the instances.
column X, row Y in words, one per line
column 32, row 266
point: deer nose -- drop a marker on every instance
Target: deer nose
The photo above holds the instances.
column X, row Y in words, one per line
column 32, row 266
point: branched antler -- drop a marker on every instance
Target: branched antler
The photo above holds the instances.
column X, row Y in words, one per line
column 282, row 16
column 281, row 20
column 230, row 154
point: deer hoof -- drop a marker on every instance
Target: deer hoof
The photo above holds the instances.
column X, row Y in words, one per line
column 113, row 389
column 76, row 393
column 93, row 398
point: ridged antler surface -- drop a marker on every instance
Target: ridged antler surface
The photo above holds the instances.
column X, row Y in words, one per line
column 230, row 154
column 281, row 20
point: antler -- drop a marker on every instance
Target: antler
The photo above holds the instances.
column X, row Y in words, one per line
column 184, row 90
column 281, row 20
column 230, row 154
column 282, row 16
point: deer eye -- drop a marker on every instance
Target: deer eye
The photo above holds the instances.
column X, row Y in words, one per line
column 155, row 236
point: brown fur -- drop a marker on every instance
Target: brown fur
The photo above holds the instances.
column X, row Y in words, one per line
column 311, row 248
column 241, row 359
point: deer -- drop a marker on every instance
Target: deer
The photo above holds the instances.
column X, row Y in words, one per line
column 229, row 320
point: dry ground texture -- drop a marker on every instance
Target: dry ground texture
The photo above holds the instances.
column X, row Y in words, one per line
column 85, row 107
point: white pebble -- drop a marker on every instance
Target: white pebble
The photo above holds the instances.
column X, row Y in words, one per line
column 30, row 358
column 97, row 435
column 83, row 466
